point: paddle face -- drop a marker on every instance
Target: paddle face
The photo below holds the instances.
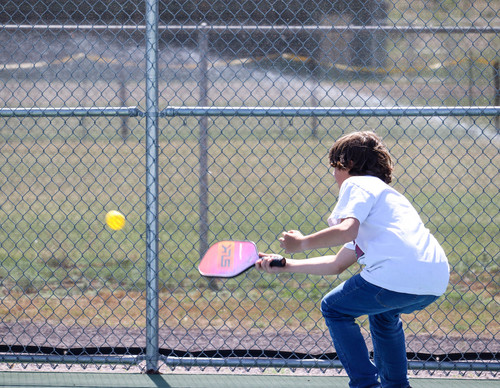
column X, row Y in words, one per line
column 227, row 259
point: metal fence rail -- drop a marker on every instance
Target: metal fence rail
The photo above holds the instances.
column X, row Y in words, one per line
column 204, row 129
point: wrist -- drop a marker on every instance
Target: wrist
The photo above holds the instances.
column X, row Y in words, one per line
column 304, row 244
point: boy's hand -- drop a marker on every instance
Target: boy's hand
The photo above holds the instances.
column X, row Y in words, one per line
column 264, row 263
column 291, row 241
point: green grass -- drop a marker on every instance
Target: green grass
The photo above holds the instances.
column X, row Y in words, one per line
column 54, row 243
column 59, row 176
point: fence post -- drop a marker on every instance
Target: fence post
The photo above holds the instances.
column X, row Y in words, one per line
column 152, row 109
column 122, row 97
column 203, row 133
column 496, row 75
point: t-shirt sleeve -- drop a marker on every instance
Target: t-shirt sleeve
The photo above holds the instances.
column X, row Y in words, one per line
column 350, row 245
column 353, row 202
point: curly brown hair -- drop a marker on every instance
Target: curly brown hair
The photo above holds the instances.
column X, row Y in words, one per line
column 362, row 153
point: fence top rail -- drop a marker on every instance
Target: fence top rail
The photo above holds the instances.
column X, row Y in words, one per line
column 267, row 28
column 131, row 111
column 172, row 111
column 332, row 111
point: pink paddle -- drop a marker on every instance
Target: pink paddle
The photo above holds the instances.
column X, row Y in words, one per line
column 227, row 259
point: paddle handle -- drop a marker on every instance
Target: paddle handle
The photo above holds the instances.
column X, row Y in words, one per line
column 279, row 261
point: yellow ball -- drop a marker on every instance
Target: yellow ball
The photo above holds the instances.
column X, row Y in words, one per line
column 115, row 220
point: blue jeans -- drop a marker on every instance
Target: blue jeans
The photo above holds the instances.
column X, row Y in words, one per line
column 357, row 297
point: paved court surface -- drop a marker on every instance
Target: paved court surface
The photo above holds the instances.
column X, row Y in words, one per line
column 125, row 380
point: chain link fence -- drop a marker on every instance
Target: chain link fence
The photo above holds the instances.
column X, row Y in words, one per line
column 211, row 120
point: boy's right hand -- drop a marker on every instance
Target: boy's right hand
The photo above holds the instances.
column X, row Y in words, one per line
column 265, row 260
column 291, row 241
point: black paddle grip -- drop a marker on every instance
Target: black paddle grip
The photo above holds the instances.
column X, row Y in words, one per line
column 279, row 261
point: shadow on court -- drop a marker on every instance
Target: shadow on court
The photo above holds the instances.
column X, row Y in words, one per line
column 200, row 380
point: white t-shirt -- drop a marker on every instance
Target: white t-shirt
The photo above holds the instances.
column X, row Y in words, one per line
column 398, row 251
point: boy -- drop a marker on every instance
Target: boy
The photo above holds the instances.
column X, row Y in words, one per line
column 405, row 268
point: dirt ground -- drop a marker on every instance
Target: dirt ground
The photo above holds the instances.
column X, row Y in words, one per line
column 178, row 341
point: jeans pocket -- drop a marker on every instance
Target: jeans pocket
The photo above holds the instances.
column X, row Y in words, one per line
column 395, row 300
column 404, row 303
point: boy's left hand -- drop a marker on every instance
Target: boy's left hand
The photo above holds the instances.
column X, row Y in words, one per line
column 291, row 241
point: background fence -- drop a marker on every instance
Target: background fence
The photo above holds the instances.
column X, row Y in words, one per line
column 205, row 121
